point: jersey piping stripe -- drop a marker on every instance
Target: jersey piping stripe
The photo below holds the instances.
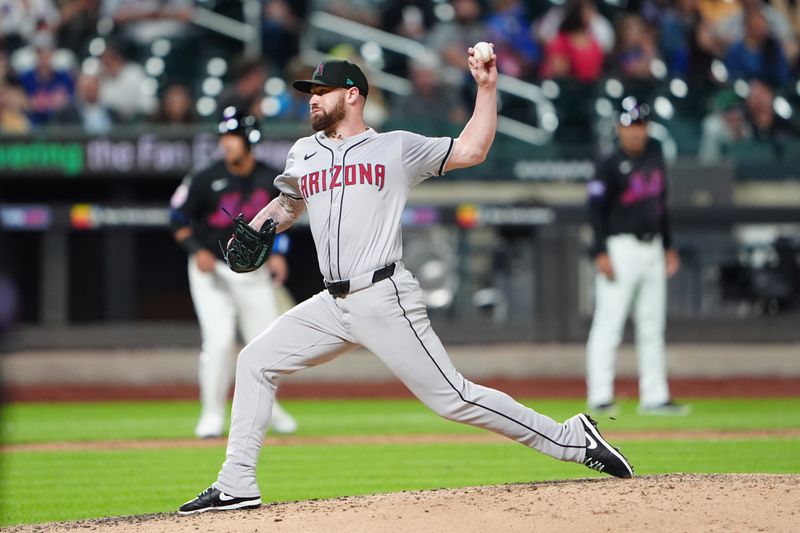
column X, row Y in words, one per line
column 341, row 208
column 397, row 293
column 449, row 149
column 333, row 160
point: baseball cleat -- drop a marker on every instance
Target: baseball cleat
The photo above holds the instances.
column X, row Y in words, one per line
column 668, row 408
column 210, row 426
column 600, row 455
column 213, row 499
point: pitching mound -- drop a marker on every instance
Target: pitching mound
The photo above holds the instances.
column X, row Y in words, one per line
column 676, row 502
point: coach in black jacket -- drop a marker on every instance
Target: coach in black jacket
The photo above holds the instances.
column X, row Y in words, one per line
column 633, row 256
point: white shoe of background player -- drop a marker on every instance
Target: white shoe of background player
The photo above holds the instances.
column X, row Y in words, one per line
column 210, row 426
column 282, row 422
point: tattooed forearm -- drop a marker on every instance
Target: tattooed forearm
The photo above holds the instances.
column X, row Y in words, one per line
column 284, row 210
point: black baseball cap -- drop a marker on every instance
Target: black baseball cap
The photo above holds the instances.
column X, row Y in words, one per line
column 335, row 73
column 237, row 122
column 635, row 114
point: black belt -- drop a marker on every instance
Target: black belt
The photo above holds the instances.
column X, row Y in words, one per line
column 340, row 289
column 647, row 236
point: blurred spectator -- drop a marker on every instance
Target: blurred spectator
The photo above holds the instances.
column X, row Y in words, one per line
column 13, row 120
column 790, row 9
column 723, row 128
column 78, row 24
column 142, row 21
column 636, row 48
column 734, row 27
column 757, row 55
column 451, row 39
column 599, row 26
column 411, row 19
column 716, row 11
column 48, row 90
column 21, row 20
column 431, row 103
column 13, row 102
column 768, row 127
column 122, row 85
column 86, row 110
column 294, row 104
column 686, row 40
column 518, row 53
column 247, row 89
column 361, row 11
column 408, row 18
column 176, row 107
column 574, row 53
column 280, row 32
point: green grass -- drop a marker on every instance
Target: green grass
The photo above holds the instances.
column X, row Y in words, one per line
column 59, row 422
column 123, row 482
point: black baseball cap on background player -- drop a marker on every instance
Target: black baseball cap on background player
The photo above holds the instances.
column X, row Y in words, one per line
column 239, row 123
column 335, row 73
column 634, row 113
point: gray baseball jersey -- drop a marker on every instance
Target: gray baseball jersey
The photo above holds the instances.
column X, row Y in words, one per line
column 355, row 191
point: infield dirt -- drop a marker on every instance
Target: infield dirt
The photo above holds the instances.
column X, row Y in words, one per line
column 674, row 502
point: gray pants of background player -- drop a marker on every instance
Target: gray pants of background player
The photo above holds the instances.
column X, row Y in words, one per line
column 390, row 320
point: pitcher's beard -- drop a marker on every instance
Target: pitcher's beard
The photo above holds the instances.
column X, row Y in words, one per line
column 326, row 121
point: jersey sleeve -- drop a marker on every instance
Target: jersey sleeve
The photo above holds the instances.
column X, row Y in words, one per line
column 599, row 203
column 185, row 203
column 424, row 157
column 288, row 182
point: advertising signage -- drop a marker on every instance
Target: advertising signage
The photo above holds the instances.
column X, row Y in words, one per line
column 147, row 155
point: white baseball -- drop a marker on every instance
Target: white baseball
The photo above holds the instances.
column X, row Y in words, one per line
column 483, row 51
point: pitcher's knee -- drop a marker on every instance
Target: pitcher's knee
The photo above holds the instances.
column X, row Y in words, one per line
column 453, row 408
column 259, row 361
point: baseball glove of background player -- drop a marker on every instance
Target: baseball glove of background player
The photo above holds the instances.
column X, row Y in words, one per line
column 249, row 248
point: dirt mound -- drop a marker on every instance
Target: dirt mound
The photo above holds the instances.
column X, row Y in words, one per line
column 675, row 502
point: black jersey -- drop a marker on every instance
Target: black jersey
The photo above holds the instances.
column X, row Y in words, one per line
column 629, row 195
column 199, row 200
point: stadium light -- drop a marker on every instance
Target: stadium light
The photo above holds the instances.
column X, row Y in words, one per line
column 444, row 12
column 614, row 88
column 664, row 107
column 97, row 46
column 274, row 86
column 270, row 106
column 719, row 71
column 782, row 107
column 678, row 88
column 154, row 66
column 160, row 47
column 551, row 89
column 212, row 86
column 549, row 121
column 741, row 88
column 150, row 87
column 603, row 107
column 206, row 106
column 90, row 66
column 658, row 69
column 216, row 67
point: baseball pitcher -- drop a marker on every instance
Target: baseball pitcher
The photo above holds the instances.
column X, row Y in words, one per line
column 353, row 182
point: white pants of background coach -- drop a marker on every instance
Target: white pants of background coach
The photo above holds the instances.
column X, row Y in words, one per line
column 640, row 287
column 226, row 301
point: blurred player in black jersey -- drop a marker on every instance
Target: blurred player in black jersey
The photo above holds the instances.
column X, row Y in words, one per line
column 227, row 302
column 633, row 256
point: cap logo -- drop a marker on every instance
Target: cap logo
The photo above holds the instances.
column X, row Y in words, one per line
column 349, row 81
column 318, row 72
